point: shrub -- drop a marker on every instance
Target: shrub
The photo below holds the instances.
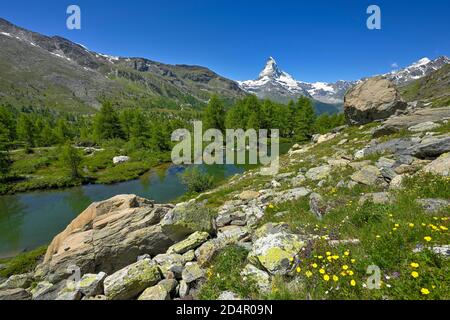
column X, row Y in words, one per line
column 195, row 180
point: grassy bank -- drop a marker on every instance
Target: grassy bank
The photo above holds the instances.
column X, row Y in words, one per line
column 42, row 168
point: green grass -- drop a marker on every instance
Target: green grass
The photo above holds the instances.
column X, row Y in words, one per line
column 23, row 263
column 224, row 275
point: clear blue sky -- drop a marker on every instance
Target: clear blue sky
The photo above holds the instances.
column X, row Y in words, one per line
column 320, row 40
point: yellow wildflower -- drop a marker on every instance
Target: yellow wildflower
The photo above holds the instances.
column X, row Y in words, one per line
column 424, row 291
column 414, row 265
column 326, row 277
column 411, row 225
column 345, row 267
column 335, row 257
column 353, row 283
column 443, row 228
column 320, row 257
column 350, row 272
column 271, row 206
column 322, row 271
column 314, row 265
column 308, row 274
column 328, row 253
column 428, row 238
column 346, row 253
column 414, row 274
column 353, row 261
column 299, row 269
column 335, row 278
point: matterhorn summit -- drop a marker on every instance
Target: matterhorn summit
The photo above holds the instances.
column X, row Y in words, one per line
column 280, row 86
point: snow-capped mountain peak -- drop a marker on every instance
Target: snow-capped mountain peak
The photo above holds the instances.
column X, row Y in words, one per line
column 279, row 85
column 417, row 70
column 270, row 70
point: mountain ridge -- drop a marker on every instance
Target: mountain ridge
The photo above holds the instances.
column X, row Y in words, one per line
column 53, row 71
column 275, row 83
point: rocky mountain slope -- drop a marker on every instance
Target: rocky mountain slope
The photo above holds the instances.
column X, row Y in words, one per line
column 357, row 198
column 432, row 89
column 36, row 70
column 278, row 85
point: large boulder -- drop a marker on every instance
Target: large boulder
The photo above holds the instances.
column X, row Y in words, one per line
column 374, row 99
column 132, row 280
column 107, row 236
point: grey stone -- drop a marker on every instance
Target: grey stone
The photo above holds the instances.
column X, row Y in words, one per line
column 14, row 294
column 317, row 205
column 434, row 205
column 130, row 281
column 319, row 173
column 157, row 292
column 192, row 272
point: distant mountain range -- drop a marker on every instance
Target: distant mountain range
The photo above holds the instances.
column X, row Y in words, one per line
column 276, row 84
column 36, row 70
column 41, row 71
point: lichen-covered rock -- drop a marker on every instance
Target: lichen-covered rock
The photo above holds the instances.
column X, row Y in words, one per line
column 274, row 252
column 318, row 173
column 14, row 294
column 368, row 175
column 157, row 292
column 377, row 198
column 248, row 195
column 170, row 263
column 291, row 195
column 270, row 228
column 185, row 219
column 42, row 290
column 91, row 285
column 17, row 281
column 374, row 99
column 130, row 281
column 169, row 284
column 69, row 295
column 192, row 272
column 259, row 277
column 192, row 242
column 434, row 205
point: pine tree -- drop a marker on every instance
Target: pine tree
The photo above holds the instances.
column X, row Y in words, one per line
column 214, row 114
column 26, row 131
column 106, row 123
column 304, row 119
column 4, row 148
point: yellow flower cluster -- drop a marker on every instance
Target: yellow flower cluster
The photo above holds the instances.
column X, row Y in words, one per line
column 327, row 267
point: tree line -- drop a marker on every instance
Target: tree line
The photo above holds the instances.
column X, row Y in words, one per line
column 296, row 121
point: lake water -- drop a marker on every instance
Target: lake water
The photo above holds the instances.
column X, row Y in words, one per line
column 30, row 220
